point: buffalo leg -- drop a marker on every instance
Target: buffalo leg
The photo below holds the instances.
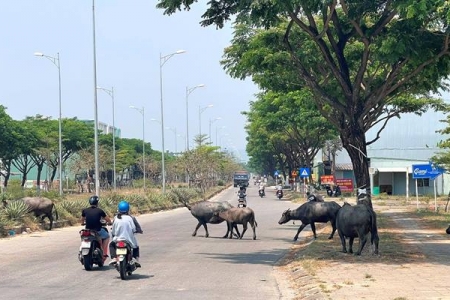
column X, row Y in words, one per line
column 350, row 244
column 50, row 217
column 228, row 231
column 313, row 228
column 196, row 228
column 254, row 229
column 206, row 229
column 362, row 243
column 299, row 230
column 333, row 224
column 343, row 242
column 238, row 235
column 244, row 229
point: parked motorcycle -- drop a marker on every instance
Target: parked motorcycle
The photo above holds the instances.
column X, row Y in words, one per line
column 125, row 265
column 90, row 249
column 279, row 194
column 333, row 192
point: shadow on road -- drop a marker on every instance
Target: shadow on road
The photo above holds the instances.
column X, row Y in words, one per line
column 267, row 257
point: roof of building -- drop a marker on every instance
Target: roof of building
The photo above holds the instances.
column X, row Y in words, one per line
column 344, row 167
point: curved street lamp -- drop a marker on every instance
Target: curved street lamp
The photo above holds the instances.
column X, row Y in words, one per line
column 56, row 62
column 162, row 60
column 142, row 112
column 111, row 93
column 188, row 92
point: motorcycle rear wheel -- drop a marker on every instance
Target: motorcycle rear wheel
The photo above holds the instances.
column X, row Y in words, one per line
column 123, row 269
column 87, row 261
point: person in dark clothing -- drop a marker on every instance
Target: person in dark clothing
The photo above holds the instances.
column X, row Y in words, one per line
column 92, row 218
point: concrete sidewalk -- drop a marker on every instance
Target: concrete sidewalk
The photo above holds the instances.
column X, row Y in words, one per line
column 425, row 274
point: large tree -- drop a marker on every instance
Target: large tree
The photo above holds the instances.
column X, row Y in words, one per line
column 365, row 61
column 295, row 130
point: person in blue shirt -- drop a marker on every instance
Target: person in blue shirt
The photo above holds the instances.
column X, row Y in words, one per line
column 124, row 227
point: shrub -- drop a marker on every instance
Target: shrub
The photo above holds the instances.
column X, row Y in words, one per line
column 15, row 211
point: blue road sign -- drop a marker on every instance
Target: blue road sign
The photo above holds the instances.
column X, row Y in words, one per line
column 426, row 171
column 276, row 173
column 304, row 172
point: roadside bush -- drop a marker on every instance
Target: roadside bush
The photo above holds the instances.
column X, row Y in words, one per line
column 15, row 211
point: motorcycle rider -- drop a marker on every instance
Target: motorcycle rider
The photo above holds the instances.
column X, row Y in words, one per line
column 124, row 228
column 261, row 188
column 92, row 218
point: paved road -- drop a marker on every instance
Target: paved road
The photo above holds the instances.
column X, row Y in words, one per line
column 175, row 264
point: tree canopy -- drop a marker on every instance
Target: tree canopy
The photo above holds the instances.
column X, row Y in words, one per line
column 364, row 61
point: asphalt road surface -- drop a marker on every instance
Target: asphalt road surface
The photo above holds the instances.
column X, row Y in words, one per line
column 175, row 265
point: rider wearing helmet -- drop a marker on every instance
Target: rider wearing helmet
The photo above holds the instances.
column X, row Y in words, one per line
column 124, row 227
column 92, row 218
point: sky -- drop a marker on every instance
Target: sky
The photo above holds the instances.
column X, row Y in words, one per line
column 130, row 37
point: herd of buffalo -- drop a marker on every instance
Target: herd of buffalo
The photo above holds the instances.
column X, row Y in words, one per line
column 350, row 221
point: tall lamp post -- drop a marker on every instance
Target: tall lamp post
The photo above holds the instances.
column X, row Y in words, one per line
column 142, row 112
column 111, row 93
column 56, row 62
column 162, row 60
column 200, row 111
column 210, row 123
column 188, row 92
column 96, row 158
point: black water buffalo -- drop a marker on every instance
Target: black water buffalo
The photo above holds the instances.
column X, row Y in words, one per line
column 357, row 221
column 204, row 212
column 448, row 229
column 235, row 216
column 311, row 212
column 40, row 207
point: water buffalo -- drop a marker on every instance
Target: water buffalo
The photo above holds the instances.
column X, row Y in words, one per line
column 357, row 221
column 204, row 212
column 311, row 212
column 235, row 216
column 448, row 229
column 41, row 207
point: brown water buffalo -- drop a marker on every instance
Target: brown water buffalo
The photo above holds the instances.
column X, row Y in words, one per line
column 40, row 207
column 357, row 221
column 204, row 212
column 235, row 216
column 311, row 212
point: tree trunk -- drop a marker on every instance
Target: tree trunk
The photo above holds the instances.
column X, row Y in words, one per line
column 354, row 141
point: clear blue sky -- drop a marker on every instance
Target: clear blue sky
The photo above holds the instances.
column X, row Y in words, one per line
column 130, row 36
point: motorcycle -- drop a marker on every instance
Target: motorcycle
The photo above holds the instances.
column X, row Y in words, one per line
column 261, row 193
column 333, row 192
column 242, row 202
column 91, row 251
column 125, row 265
column 279, row 194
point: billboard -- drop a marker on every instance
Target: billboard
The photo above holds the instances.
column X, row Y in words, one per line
column 346, row 185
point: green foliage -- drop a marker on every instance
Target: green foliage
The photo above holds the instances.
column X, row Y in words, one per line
column 15, row 211
column 364, row 62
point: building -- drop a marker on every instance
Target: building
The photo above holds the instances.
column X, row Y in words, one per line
column 406, row 141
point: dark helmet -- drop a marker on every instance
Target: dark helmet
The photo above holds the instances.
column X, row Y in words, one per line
column 123, row 207
column 93, row 200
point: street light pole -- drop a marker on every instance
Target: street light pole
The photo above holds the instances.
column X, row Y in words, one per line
column 162, row 61
column 56, row 62
column 97, row 175
column 188, row 92
column 200, row 111
column 111, row 93
column 142, row 111
column 210, row 123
